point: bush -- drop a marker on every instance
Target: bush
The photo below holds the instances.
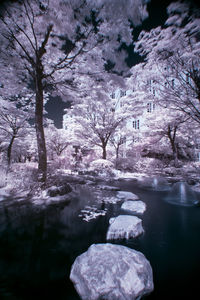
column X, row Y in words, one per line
column 148, row 165
column 22, row 177
column 140, row 164
column 102, row 166
column 125, row 164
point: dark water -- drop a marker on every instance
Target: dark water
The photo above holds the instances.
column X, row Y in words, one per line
column 39, row 244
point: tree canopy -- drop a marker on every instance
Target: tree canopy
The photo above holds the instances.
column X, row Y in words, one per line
column 62, row 46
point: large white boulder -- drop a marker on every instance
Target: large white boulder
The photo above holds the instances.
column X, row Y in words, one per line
column 111, row 272
column 124, row 227
column 127, row 195
column 138, row 207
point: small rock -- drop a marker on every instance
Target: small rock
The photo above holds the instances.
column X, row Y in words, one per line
column 65, row 189
column 191, row 181
column 53, row 191
column 60, row 190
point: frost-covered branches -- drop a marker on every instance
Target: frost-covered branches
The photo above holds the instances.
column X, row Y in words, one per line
column 57, row 140
column 13, row 124
column 56, row 45
column 173, row 59
column 98, row 118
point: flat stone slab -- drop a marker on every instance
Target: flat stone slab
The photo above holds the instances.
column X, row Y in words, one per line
column 111, row 272
column 138, row 207
column 127, row 195
column 124, row 227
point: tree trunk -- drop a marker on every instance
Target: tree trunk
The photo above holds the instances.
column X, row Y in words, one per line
column 117, row 152
column 173, row 144
column 104, row 154
column 175, row 155
column 9, row 150
column 42, row 155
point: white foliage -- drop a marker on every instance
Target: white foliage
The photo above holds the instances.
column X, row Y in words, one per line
column 101, row 164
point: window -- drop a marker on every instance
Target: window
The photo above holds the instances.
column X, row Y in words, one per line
column 149, row 84
column 172, row 83
column 150, row 107
column 136, row 124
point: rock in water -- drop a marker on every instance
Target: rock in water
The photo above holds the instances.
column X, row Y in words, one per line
column 54, row 191
column 124, row 227
column 127, row 195
column 138, row 207
column 111, row 272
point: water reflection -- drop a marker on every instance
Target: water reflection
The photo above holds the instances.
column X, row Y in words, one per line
column 157, row 183
column 182, row 194
column 39, row 244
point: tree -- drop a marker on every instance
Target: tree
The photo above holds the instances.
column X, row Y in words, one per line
column 121, row 138
column 172, row 55
column 57, row 140
column 97, row 119
column 25, row 149
column 117, row 140
column 13, row 123
column 55, row 42
column 167, row 133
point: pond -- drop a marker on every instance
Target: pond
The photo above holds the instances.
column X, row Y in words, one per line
column 38, row 245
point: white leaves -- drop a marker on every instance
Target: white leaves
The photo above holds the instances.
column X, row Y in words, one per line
column 27, row 26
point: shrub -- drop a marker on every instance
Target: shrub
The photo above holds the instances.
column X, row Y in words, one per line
column 102, row 166
column 22, row 177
